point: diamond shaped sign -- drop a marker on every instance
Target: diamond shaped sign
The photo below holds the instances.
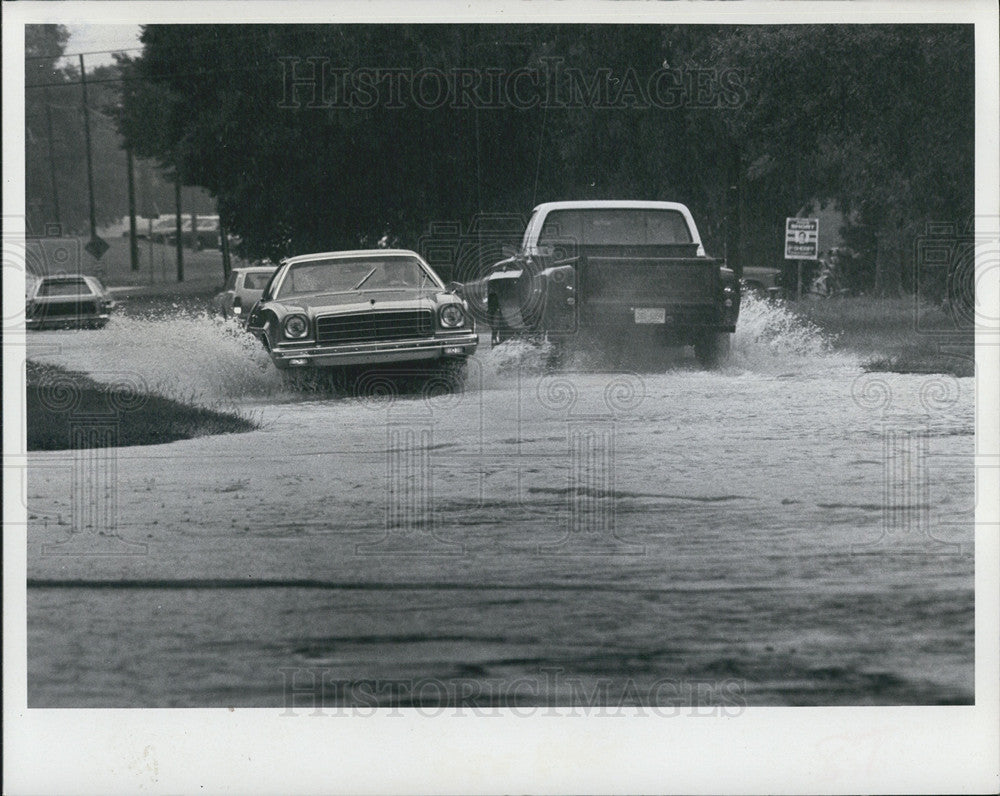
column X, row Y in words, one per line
column 96, row 247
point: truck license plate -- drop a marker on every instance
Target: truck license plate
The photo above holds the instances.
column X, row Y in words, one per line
column 650, row 315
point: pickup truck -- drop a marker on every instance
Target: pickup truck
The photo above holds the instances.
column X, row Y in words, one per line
column 632, row 269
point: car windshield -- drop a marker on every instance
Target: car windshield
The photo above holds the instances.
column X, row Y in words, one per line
column 65, row 287
column 256, row 281
column 345, row 274
column 615, row 226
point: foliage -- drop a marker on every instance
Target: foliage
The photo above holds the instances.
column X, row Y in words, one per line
column 878, row 118
column 53, row 100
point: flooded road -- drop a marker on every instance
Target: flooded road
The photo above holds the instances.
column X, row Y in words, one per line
column 787, row 530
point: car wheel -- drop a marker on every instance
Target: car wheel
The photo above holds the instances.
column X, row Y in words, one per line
column 712, row 349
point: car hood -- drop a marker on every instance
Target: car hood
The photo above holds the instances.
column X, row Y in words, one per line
column 365, row 300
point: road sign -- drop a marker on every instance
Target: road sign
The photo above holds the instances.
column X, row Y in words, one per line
column 96, row 247
column 801, row 238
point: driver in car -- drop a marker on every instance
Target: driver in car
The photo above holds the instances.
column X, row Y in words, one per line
column 397, row 273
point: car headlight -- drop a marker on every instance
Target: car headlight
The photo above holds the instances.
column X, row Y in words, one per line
column 296, row 326
column 451, row 316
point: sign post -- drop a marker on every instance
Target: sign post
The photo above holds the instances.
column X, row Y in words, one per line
column 801, row 243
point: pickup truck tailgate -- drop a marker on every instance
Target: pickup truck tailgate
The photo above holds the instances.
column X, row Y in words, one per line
column 654, row 280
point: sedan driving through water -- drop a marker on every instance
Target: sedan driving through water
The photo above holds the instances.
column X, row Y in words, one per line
column 369, row 307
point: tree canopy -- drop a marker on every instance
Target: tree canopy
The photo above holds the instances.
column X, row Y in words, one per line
column 55, row 156
column 329, row 136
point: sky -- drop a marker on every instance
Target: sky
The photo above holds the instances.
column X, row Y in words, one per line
column 88, row 38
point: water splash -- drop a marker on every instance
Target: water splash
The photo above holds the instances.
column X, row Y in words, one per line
column 771, row 337
column 192, row 356
column 518, row 355
column 186, row 356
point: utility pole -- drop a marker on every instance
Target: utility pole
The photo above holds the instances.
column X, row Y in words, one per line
column 52, row 157
column 180, row 236
column 227, row 263
column 149, row 238
column 133, row 242
column 90, row 159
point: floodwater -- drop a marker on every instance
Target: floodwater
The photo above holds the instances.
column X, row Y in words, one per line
column 788, row 530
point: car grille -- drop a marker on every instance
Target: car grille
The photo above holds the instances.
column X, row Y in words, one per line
column 65, row 309
column 374, row 326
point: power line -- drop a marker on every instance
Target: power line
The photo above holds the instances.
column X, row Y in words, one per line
column 76, row 55
column 197, row 73
column 264, row 33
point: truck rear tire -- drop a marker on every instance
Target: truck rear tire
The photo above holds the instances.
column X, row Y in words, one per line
column 712, row 349
column 494, row 319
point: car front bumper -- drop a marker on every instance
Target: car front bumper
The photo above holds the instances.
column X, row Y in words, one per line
column 288, row 355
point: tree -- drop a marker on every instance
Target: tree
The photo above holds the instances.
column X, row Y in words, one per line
column 877, row 118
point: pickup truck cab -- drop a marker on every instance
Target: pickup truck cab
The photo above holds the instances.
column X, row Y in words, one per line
column 633, row 268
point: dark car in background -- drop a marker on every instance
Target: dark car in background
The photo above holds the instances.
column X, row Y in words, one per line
column 67, row 300
column 762, row 280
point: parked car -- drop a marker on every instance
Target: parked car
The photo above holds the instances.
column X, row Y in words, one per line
column 166, row 226
column 142, row 226
column 378, row 306
column 633, row 269
column 242, row 290
column 207, row 236
column 67, row 300
column 762, row 280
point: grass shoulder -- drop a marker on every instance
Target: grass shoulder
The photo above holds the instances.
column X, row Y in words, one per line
column 57, row 400
column 896, row 335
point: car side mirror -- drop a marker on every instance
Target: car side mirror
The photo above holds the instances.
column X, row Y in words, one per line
column 453, row 287
column 546, row 249
column 507, row 250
